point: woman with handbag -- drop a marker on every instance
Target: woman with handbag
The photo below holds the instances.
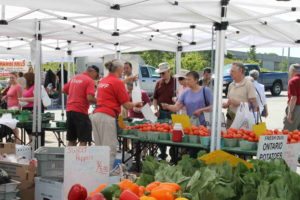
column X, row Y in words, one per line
column 196, row 99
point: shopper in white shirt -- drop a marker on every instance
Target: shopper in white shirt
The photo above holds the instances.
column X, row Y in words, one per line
column 260, row 93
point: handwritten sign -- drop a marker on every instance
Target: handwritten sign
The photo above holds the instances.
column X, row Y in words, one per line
column 184, row 120
column 291, row 155
column 148, row 113
column 88, row 166
column 271, row 147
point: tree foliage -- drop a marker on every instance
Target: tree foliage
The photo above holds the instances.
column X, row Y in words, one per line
column 155, row 57
column 284, row 65
column 194, row 60
column 189, row 60
column 252, row 54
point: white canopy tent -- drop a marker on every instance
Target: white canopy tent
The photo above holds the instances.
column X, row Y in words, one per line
column 102, row 27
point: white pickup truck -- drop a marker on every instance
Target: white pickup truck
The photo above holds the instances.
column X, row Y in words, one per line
column 148, row 78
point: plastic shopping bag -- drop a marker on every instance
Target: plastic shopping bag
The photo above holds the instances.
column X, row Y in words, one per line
column 244, row 118
column 45, row 97
column 136, row 92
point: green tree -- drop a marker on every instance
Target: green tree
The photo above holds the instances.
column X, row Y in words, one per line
column 229, row 55
column 252, row 53
column 284, row 65
column 194, row 61
column 155, row 57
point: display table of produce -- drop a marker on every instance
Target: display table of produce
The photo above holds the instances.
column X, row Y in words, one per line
column 57, row 130
column 140, row 144
column 25, row 122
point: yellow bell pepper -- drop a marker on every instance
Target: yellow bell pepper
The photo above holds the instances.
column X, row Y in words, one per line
column 181, row 198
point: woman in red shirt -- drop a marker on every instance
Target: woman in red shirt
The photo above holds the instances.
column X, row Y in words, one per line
column 12, row 98
column 13, row 93
column 28, row 94
column 111, row 95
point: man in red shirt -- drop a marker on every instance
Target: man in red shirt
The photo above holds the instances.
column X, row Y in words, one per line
column 81, row 93
column 291, row 121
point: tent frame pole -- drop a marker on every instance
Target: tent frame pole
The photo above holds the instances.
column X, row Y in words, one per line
column 61, row 88
column 178, row 63
column 37, row 114
column 218, row 81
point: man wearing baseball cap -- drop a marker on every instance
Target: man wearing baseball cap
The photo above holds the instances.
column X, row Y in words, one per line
column 81, row 93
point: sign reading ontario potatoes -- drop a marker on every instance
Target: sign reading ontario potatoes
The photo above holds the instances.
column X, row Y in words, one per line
column 271, row 147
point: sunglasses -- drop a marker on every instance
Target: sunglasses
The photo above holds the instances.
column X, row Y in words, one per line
column 163, row 73
column 181, row 78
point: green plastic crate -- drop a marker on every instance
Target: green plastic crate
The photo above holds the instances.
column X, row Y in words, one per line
column 165, row 136
column 228, row 142
column 205, row 140
column 186, row 139
column 194, row 139
column 246, row 145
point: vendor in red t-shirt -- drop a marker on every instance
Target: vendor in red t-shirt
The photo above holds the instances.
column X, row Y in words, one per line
column 81, row 93
column 111, row 95
column 292, row 119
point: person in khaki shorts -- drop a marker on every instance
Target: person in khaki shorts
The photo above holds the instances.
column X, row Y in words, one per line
column 291, row 121
column 111, row 96
column 240, row 90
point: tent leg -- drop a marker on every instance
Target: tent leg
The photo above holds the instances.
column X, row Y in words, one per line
column 218, row 82
column 61, row 88
column 37, row 115
column 178, row 64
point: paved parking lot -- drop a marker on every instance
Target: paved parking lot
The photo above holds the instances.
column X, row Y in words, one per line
column 277, row 106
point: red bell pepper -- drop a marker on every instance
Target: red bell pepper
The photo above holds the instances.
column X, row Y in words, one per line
column 77, row 192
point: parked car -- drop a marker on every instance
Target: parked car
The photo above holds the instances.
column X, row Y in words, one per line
column 273, row 81
column 148, row 78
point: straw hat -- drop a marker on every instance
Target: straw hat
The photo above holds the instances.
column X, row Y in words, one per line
column 182, row 73
column 162, row 67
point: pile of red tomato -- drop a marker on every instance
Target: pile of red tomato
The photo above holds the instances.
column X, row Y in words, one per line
column 197, row 130
column 157, row 127
column 293, row 136
column 240, row 134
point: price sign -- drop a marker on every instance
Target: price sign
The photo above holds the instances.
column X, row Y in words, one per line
column 88, row 166
column 271, row 147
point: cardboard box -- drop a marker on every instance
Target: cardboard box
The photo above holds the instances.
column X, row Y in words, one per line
column 7, row 148
column 48, row 189
column 18, row 150
column 24, row 174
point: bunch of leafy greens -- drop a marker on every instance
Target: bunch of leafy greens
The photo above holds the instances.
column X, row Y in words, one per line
column 266, row 181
